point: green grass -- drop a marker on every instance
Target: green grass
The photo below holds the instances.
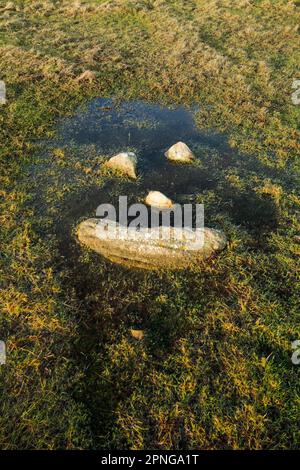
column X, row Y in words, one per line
column 214, row 370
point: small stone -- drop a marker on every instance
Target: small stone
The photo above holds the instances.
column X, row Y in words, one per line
column 159, row 200
column 180, row 152
column 125, row 163
column 87, row 76
column 297, row 238
column 137, row 334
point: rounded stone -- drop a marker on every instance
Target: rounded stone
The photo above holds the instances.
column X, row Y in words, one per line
column 124, row 163
column 180, row 152
column 159, row 200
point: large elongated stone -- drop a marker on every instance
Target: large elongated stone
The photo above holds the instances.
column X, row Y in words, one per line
column 149, row 248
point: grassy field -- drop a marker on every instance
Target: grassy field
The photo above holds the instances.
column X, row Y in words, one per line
column 214, row 370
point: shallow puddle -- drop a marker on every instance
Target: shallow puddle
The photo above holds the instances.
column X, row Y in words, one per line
column 105, row 128
column 71, row 185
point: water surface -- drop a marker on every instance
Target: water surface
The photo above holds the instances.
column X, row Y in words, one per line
column 73, row 186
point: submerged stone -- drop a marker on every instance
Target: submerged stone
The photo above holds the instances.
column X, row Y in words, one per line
column 150, row 248
column 159, row 200
column 180, row 152
column 125, row 163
